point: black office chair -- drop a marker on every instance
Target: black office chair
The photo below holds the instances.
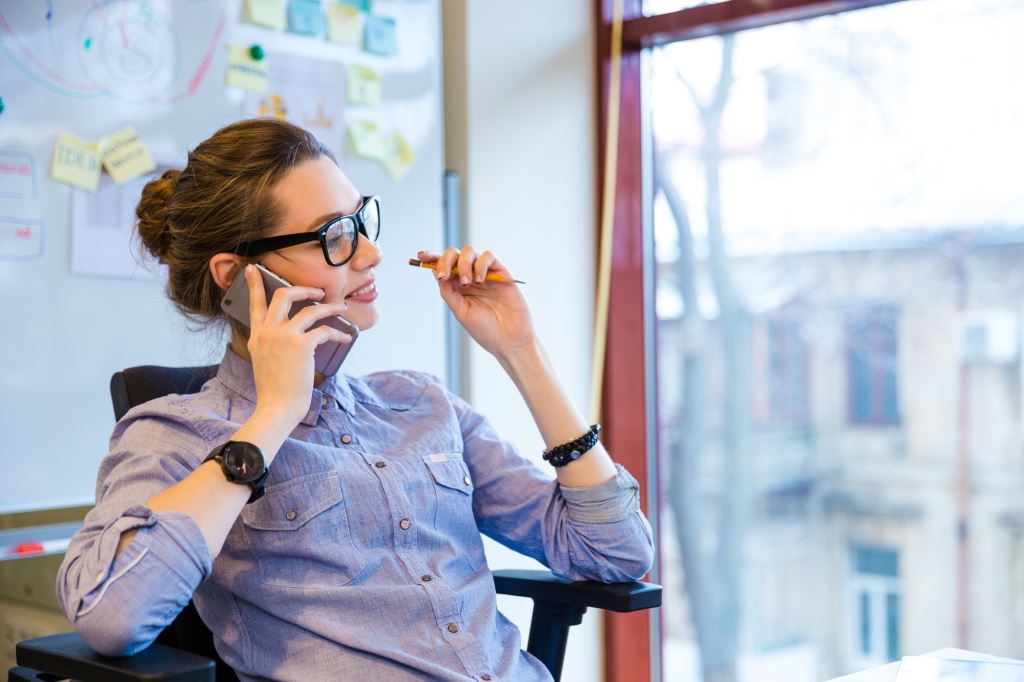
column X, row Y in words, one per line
column 184, row 651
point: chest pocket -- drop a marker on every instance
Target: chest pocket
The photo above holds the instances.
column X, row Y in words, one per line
column 453, row 515
column 299, row 532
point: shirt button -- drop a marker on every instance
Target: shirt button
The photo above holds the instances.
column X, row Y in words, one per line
column 291, row 514
column 466, row 480
column 426, row 578
column 380, row 465
column 323, row 401
column 453, row 627
column 405, row 524
column 346, row 439
column 485, row 677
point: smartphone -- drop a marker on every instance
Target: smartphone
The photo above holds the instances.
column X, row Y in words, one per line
column 328, row 356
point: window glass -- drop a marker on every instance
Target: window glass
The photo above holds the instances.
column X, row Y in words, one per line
column 838, row 227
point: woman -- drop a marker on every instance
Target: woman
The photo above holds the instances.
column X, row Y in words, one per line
column 356, row 553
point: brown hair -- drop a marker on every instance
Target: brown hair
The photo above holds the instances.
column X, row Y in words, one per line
column 220, row 200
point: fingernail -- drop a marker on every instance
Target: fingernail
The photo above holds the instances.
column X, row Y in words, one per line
column 465, row 281
column 440, row 275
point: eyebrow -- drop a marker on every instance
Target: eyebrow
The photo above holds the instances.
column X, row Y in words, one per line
column 319, row 222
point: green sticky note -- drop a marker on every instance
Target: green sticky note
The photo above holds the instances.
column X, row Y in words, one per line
column 365, row 140
column 244, row 71
column 269, row 13
column 380, row 36
column 397, row 156
column 345, row 24
column 363, row 86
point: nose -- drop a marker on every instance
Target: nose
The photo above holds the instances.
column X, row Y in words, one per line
column 368, row 254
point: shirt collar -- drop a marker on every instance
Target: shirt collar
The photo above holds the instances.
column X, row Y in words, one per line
column 236, row 375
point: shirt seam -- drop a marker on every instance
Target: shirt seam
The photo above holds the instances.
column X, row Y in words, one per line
column 110, row 581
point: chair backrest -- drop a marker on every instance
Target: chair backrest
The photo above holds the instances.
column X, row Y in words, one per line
column 137, row 385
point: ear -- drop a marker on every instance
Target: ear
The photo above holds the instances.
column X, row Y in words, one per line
column 224, row 267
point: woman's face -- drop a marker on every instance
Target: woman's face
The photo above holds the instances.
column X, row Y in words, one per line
column 309, row 195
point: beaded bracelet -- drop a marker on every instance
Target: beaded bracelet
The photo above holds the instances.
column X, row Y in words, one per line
column 560, row 455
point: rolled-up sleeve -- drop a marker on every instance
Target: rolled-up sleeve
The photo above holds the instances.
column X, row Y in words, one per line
column 592, row 533
column 121, row 604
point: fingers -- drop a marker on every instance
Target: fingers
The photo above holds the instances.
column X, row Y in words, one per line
column 257, row 297
column 327, row 334
column 467, row 258
column 484, row 263
column 310, row 315
column 466, row 264
column 283, row 298
column 446, row 263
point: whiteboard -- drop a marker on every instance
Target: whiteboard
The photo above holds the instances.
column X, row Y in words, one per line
column 91, row 67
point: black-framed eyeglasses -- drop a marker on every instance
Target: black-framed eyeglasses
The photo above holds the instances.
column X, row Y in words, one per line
column 338, row 237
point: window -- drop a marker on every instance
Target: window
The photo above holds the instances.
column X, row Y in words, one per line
column 834, row 210
column 871, row 340
column 875, row 617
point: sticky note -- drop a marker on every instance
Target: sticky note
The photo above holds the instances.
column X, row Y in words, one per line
column 397, row 156
column 380, row 36
column 305, row 17
column 344, row 24
column 75, row 162
column 365, row 140
column 269, row 13
column 363, row 86
column 244, row 71
column 124, row 156
column 363, row 6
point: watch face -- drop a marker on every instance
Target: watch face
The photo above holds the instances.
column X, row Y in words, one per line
column 244, row 461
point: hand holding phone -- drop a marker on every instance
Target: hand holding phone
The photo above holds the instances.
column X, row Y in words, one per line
column 329, row 354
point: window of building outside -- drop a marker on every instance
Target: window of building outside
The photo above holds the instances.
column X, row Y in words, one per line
column 874, row 609
column 838, row 226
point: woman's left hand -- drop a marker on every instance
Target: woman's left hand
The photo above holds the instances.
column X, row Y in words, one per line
column 495, row 314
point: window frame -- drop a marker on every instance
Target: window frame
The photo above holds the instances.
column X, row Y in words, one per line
column 629, row 396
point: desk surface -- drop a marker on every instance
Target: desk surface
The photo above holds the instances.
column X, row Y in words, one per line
column 887, row 673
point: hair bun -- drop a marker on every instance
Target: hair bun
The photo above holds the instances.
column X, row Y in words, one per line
column 152, row 212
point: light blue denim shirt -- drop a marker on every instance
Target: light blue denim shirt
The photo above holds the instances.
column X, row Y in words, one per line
column 364, row 560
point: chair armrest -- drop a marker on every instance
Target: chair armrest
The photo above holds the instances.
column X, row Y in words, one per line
column 543, row 586
column 68, row 656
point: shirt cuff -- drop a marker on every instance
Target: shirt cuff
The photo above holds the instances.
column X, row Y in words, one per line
column 606, row 502
column 176, row 540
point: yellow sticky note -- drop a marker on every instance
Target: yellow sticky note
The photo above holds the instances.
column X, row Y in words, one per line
column 124, row 156
column 365, row 140
column 363, row 86
column 269, row 13
column 344, row 24
column 75, row 162
column 398, row 156
column 244, row 71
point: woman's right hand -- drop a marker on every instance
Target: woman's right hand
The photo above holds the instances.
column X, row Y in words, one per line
column 282, row 349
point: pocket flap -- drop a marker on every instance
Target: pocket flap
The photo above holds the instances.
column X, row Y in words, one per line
column 290, row 504
column 451, row 471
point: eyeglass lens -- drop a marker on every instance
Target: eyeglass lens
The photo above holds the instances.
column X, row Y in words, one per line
column 341, row 236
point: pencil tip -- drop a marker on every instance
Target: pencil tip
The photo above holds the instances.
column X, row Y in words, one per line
column 413, row 261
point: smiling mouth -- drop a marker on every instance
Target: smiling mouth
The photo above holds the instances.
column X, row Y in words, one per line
column 368, row 289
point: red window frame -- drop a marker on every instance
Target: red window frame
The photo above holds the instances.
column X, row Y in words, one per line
column 626, row 394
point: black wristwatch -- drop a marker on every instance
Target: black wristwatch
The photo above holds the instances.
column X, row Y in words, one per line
column 242, row 463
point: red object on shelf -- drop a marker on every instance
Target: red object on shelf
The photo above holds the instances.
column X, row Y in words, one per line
column 27, row 548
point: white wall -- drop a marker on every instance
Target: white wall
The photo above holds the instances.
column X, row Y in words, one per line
column 520, row 129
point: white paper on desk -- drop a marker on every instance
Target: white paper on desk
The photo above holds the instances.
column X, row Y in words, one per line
column 102, row 226
column 926, row 669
